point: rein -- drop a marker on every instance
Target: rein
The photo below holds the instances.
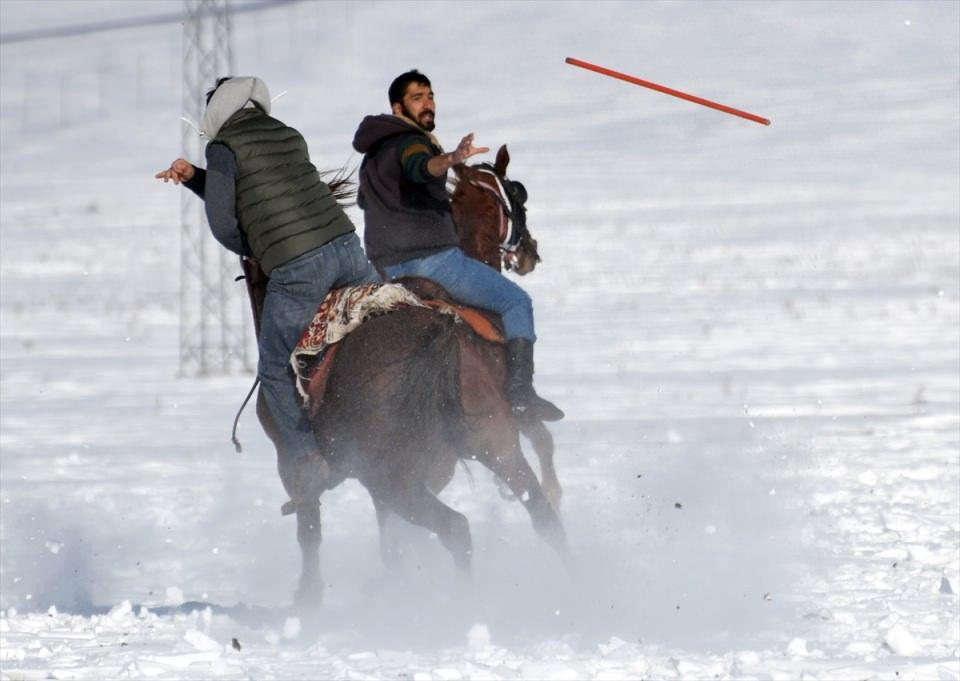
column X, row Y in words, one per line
column 513, row 217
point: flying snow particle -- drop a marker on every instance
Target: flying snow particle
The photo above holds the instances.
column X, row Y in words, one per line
column 53, row 546
column 907, row 22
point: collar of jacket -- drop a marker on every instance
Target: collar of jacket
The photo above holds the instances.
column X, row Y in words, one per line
column 430, row 135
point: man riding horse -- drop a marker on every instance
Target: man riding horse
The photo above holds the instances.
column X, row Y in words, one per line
column 409, row 230
column 264, row 198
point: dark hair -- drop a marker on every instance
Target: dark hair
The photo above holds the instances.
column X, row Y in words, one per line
column 398, row 88
column 220, row 81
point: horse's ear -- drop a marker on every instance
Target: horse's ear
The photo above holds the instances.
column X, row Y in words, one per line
column 503, row 158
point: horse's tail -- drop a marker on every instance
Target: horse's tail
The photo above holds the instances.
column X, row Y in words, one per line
column 430, row 400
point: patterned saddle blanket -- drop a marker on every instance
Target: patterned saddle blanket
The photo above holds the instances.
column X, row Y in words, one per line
column 343, row 310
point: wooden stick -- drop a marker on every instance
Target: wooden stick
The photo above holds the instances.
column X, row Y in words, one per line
column 668, row 91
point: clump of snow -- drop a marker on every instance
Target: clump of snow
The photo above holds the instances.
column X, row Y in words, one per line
column 901, row 641
column 797, row 648
column 291, row 628
column 201, row 641
column 120, row 610
column 173, row 596
column 478, row 638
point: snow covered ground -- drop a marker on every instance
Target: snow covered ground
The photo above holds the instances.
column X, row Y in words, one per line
column 754, row 332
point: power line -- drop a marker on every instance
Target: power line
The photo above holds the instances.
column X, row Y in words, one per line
column 132, row 22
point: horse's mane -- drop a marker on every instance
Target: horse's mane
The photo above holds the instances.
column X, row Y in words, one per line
column 341, row 183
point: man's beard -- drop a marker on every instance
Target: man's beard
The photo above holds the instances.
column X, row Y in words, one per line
column 428, row 125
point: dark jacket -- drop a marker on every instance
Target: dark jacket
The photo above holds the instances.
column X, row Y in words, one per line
column 283, row 207
column 406, row 214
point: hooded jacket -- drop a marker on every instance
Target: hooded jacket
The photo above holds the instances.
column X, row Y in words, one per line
column 404, row 217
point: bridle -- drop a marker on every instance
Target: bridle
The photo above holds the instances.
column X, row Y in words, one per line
column 510, row 197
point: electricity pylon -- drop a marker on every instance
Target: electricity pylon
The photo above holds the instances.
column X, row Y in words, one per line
column 213, row 332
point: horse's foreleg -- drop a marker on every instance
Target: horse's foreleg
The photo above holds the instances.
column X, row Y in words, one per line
column 542, row 441
column 389, row 548
column 310, row 589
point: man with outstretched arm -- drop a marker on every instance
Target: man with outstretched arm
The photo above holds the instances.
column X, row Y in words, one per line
column 265, row 199
column 409, row 230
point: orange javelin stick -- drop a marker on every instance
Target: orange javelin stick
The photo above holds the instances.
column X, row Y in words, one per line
column 668, row 91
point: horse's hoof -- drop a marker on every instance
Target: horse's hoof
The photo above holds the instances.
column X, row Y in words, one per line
column 553, row 495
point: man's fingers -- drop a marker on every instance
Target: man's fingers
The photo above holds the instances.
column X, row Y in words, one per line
column 169, row 175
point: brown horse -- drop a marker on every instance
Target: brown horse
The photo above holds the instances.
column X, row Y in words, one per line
column 413, row 391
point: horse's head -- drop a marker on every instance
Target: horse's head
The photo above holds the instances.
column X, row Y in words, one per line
column 491, row 216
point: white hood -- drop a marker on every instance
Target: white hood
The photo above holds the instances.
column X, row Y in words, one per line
column 229, row 98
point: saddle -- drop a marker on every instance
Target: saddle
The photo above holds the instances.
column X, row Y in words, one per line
column 345, row 309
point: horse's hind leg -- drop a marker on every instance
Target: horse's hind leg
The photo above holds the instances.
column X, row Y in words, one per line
column 542, row 441
column 421, row 507
column 506, row 460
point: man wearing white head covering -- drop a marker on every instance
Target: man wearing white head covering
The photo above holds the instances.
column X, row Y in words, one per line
column 265, row 199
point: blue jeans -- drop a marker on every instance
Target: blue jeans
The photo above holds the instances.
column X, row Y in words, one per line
column 294, row 293
column 475, row 284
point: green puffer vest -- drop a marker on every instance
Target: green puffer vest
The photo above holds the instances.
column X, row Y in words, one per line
column 283, row 207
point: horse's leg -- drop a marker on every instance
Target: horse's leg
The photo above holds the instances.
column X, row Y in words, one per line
column 542, row 441
column 441, row 472
column 418, row 505
column 494, row 438
column 310, row 588
column 501, row 454
column 389, row 548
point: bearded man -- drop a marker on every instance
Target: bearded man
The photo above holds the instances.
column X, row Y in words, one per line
column 409, row 230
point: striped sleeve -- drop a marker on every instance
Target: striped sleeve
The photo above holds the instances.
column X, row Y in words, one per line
column 415, row 151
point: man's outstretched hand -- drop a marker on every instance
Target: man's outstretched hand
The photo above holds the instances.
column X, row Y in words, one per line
column 466, row 149
column 179, row 171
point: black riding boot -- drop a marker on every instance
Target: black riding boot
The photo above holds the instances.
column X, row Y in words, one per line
column 519, row 386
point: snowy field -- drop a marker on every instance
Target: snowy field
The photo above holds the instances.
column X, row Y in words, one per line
column 754, row 331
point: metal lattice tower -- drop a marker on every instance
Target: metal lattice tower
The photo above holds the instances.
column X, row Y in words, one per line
column 213, row 328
